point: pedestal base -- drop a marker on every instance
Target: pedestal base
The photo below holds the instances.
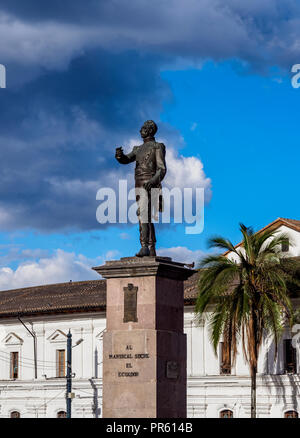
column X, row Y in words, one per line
column 144, row 374
column 144, row 350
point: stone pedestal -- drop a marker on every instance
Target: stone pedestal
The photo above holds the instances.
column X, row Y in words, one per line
column 144, row 347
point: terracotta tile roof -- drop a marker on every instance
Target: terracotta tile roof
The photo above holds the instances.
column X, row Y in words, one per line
column 191, row 288
column 81, row 296
column 53, row 298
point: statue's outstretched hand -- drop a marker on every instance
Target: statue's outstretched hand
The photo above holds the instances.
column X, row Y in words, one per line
column 119, row 152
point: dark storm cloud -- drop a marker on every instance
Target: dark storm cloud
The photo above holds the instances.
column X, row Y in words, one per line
column 262, row 33
column 83, row 75
column 58, row 135
column 67, row 10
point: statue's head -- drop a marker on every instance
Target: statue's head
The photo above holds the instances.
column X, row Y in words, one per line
column 148, row 129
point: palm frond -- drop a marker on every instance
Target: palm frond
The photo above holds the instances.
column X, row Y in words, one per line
column 249, row 298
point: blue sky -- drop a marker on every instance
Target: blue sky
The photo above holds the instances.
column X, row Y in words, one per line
column 244, row 129
column 81, row 81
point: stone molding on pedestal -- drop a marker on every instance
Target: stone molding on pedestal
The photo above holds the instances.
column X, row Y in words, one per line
column 144, row 267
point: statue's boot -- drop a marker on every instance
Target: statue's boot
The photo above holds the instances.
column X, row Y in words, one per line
column 152, row 240
column 144, row 239
column 143, row 252
column 152, row 251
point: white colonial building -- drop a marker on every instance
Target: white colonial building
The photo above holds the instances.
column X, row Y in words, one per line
column 42, row 317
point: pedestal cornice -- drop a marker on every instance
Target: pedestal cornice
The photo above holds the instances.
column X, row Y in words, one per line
column 144, row 266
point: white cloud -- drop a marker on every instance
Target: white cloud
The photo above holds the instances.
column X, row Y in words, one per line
column 10, row 253
column 182, row 254
column 186, row 172
column 49, row 45
column 61, row 267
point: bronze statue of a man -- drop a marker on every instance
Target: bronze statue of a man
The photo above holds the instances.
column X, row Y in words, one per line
column 150, row 170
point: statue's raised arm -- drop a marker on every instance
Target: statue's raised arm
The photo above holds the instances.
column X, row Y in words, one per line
column 125, row 159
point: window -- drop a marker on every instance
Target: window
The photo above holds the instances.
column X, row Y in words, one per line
column 60, row 363
column 285, row 246
column 226, row 413
column 290, row 364
column 291, row 414
column 15, row 414
column 14, row 365
column 225, row 355
column 61, row 414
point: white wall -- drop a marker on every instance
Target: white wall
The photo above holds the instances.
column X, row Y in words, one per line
column 208, row 391
column 33, row 397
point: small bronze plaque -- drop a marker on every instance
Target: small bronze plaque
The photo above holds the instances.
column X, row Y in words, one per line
column 130, row 303
column 173, row 370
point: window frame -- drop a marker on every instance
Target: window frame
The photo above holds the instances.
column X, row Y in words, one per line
column 291, row 411
column 60, row 412
column 11, row 415
column 225, row 367
column 60, row 374
column 12, row 356
column 285, row 247
column 226, row 410
column 290, row 367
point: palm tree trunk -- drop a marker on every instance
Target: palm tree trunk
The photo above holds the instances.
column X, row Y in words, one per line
column 253, row 391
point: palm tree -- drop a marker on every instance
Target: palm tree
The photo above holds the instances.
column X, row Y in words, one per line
column 248, row 296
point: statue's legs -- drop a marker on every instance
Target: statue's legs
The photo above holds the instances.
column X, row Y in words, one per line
column 144, row 234
column 147, row 237
column 144, row 225
column 154, row 208
column 152, row 239
column 144, row 239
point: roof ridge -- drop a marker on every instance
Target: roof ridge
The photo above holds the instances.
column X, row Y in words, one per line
column 289, row 219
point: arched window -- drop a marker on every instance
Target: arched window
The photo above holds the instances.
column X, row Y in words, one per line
column 15, row 414
column 226, row 413
column 61, row 414
column 291, row 414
